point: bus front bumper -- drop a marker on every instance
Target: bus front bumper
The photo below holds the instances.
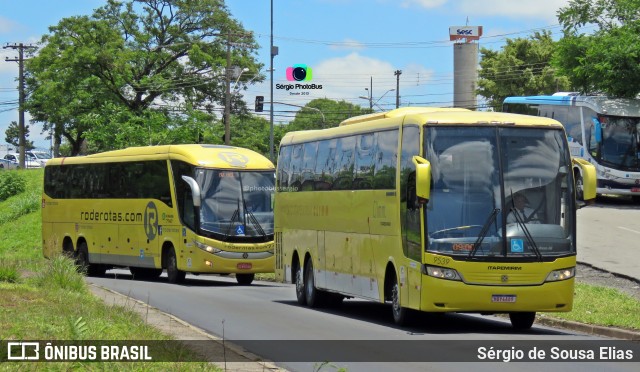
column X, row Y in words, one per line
column 453, row 296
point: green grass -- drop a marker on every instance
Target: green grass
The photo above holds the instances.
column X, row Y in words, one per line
column 53, row 302
column 602, row 306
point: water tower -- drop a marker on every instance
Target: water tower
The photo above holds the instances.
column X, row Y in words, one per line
column 465, row 65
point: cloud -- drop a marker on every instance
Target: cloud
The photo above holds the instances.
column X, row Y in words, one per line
column 6, row 25
column 540, row 9
column 347, row 77
column 348, row 44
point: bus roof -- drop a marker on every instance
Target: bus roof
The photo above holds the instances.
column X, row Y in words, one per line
column 208, row 156
column 419, row 115
column 599, row 104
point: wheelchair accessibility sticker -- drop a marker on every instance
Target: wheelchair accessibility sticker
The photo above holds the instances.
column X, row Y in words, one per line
column 240, row 230
column 517, row 246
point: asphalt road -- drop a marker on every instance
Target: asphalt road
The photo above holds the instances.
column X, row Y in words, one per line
column 266, row 319
column 609, row 236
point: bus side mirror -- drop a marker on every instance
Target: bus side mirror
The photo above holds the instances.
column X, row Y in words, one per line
column 423, row 179
column 195, row 190
column 597, row 127
column 588, row 172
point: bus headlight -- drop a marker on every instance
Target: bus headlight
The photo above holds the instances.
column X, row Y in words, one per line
column 441, row 272
column 562, row 274
column 207, row 248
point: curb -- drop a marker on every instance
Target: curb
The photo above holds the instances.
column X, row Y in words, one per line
column 253, row 361
column 622, row 334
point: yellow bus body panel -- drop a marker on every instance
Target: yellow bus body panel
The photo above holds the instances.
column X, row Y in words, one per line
column 114, row 228
column 353, row 236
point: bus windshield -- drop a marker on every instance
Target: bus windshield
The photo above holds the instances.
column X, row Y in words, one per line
column 620, row 146
column 236, row 203
column 499, row 192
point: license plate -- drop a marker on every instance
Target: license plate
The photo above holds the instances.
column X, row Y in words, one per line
column 503, row 298
column 244, row 265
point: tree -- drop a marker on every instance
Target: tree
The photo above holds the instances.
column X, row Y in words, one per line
column 311, row 117
column 13, row 136
column 152, row 62
column 522, row 67
column 607, row 60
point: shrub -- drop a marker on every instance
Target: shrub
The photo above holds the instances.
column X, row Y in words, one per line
column 61, row 272
column 11, row 183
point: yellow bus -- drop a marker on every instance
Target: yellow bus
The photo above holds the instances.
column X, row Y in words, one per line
column 417, row 207
column 202, row 209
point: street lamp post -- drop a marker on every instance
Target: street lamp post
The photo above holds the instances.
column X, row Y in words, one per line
column 370, row 99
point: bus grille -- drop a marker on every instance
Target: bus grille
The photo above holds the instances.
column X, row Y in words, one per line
column 503, row 278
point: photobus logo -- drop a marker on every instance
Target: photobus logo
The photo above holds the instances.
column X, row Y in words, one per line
column 299, row 72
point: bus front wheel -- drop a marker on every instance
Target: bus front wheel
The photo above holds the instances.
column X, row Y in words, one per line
column 175, row 276
column 522, row 321
column 579, row 187
column 245, row 279
column 400, row 314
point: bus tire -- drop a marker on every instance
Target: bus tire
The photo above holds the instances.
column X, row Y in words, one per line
column 522, row 321
column 143, row 273
column 579, row 187
column 245, row 279
column 82, row 261
column 174, row 275
column 298, row 280
column 312, row 295
column 400, row 314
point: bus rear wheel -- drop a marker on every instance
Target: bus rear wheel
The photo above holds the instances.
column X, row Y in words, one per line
column 312, row 295
column 173, row 273
column 82, row 260
column 245, row 279
column 522, row 321
column 299, row 282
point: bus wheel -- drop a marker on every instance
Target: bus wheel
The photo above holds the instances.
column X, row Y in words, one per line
column 522, row 321
column 175, row 276
column 579, row 187
column 312, row 295
column 299, row 281
column 245, row 279
column 82, row 260
column 400, row 314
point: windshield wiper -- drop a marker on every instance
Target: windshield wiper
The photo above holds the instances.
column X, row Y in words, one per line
column 254, row 221
column 521, row 223
column 483, row 232
column 236, row 214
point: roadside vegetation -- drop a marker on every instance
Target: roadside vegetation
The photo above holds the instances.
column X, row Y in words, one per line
column 48, row 299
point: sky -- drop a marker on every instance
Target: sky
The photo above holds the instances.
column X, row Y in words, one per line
column 348, row 45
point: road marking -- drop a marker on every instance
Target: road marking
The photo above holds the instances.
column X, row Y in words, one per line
column 633, row 231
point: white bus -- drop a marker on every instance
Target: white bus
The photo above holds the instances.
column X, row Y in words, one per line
column 604, row 131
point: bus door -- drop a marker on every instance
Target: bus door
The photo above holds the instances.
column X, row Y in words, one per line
column 411, row 216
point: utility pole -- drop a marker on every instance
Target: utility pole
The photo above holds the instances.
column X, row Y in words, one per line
column 21, row 128
column 398, row 73
column 227, row 96
column 274, row 52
